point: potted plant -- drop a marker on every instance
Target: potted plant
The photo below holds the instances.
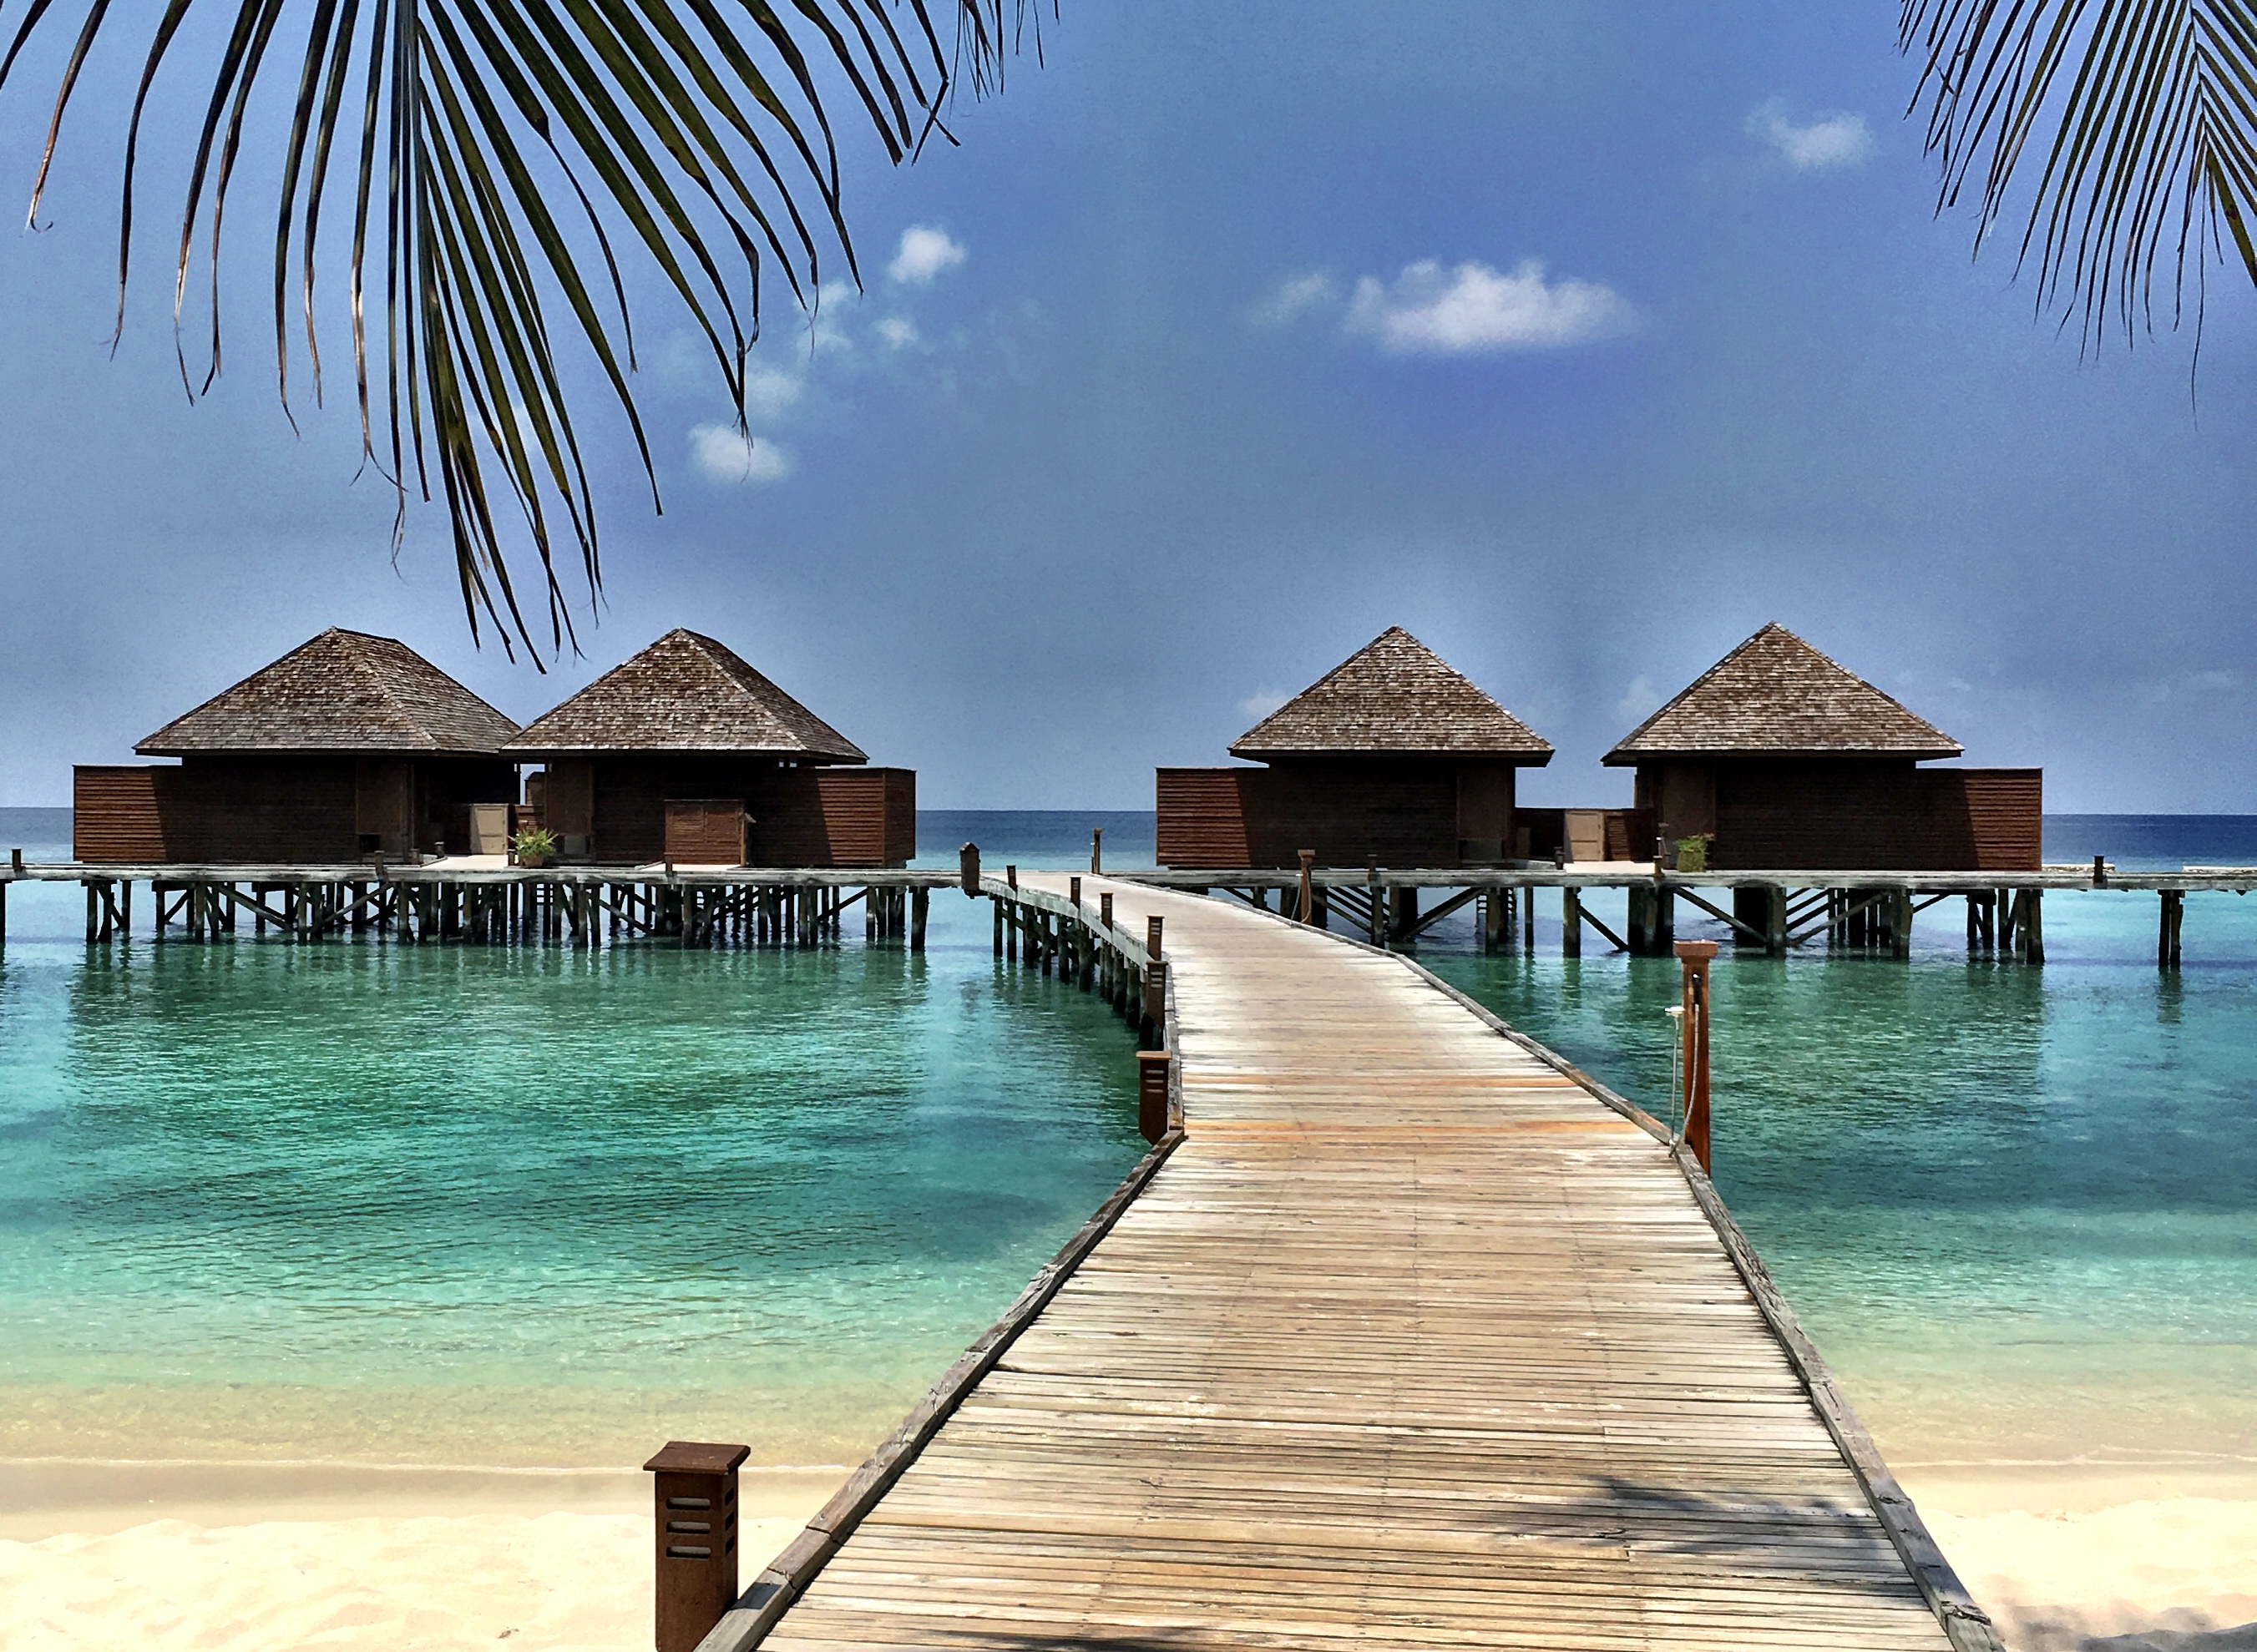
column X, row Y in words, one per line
column 1692, row 852
column 533, row 846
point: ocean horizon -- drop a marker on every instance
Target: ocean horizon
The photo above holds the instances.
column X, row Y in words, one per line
column 1059, row 837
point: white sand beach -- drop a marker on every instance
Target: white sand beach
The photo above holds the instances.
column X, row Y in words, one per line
column 264, row 1560
column 2166, row 1558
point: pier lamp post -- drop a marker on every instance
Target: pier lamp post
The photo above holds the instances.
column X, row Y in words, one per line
column 695, row 1487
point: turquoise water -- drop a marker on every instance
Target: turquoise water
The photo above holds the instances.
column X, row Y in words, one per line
column 450, row 1205
column 2016, row 1208
column 453, row 1204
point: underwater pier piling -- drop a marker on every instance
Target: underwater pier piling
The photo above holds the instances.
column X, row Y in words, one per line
column 1775, row 913
column 428, row 903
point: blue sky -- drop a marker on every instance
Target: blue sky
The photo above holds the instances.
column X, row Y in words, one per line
column 1579, row 340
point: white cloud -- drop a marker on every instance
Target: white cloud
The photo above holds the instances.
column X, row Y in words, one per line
column 769, row 392
column 729, row 456
column 898, row 331
column 1637, row 698
column 2212, row 681
column 1262, row 702
column 1296, row 298
column 1432, row 311
column 924, row 253
column 1819, row 145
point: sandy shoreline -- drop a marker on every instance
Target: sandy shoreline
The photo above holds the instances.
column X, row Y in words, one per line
column 258, row 1556
column 254, row 1557
column 2066, row 1557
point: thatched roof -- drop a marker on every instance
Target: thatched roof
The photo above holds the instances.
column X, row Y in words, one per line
column 1392, row 695
column 343, row 691
column 1776, row 695
column 685, row 693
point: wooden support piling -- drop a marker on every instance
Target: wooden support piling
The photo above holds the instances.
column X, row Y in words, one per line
column 2167, row 936
column 1694, row 958
column 1571, row 922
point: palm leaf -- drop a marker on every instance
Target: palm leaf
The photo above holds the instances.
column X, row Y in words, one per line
column 691, row 129
column 2145, row 113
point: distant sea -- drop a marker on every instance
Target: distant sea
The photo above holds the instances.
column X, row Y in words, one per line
column 455, row 1205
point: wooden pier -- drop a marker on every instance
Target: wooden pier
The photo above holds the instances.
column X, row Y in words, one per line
column 1776, row 912
column 1404, row 1334
column 413, row 904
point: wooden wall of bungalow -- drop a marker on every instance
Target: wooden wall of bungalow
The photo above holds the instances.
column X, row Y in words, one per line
column 1407, row 813
column 277, row 808
column 728, row 810
column 1849, row 813
column 1353, row 811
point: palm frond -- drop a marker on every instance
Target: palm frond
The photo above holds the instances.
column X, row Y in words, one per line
column 2146, row 114
column 694, row 130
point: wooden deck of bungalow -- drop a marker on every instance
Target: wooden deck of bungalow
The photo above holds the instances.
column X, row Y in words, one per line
column 1405, row 1335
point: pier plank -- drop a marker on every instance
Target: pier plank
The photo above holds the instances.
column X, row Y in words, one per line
column 1412, row 1341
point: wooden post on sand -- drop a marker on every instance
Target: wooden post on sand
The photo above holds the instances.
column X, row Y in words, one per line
column 695, row 1500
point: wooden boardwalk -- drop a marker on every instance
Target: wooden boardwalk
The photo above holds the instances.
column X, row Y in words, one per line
column 1412, row 1341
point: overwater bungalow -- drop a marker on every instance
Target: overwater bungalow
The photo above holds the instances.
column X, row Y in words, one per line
column 687, row 754
column 1784, row 759
column 348, row 746
column 1391, row 758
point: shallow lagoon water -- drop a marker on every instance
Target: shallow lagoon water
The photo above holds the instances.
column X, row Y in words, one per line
column 270, row 1202
column 2016, row 1208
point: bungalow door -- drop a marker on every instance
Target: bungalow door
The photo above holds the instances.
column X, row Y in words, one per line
column 384, row 807
column 705, row 832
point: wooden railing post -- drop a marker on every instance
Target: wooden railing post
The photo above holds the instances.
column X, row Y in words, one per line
column 1073, row 890
column 1104, row 908
column 694, row 1495
column 1693, row 957
column 1155, row 997
column 1153, row 1067
column 967, row 865
column 1152, row 930
column 1096, row 849
column 1308, row 893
